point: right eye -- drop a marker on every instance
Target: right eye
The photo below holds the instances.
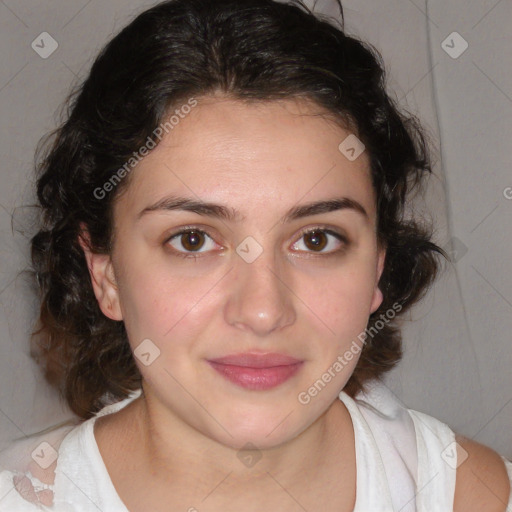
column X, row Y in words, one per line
column 190, row 241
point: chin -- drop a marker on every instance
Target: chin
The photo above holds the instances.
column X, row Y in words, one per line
column 253, row 440
column 263, row 431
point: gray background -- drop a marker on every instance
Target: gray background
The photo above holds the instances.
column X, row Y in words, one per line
column 457, row 351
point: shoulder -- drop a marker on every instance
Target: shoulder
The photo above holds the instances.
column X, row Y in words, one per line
column 482, row 481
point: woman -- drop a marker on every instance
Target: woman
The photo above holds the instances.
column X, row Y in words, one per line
column 222, row 259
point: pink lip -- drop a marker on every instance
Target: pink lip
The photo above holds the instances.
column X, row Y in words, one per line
column 256, row 371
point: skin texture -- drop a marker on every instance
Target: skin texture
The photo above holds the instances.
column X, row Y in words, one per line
column 261, row 159
column 482, row 482
column 182, row 440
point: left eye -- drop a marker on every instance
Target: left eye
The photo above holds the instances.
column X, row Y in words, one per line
column 317, row 240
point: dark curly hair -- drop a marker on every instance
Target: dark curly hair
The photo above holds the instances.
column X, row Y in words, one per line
column 250, row 50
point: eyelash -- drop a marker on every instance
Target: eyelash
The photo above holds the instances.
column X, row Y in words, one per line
column 195, row 255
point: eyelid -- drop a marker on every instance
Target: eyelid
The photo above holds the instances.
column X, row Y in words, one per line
column 336, row 232
column 192, row 255
column 185, row 229
column 328, row 229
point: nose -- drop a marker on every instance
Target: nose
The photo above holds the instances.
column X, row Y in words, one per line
column 260, row 299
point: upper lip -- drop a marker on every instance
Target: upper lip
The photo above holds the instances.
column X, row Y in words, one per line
column 254, row 360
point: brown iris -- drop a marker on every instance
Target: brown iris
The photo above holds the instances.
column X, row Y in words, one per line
column 192, row 240
column 315, row 240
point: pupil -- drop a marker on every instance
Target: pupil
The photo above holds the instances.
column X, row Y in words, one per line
column 316, row 239
column 192, row 240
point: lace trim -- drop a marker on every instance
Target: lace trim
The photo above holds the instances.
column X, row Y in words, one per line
column 31, row 489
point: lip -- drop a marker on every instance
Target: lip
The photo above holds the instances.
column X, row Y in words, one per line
column 256, row 371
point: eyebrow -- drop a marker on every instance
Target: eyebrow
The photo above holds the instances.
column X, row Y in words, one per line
column 230, row 214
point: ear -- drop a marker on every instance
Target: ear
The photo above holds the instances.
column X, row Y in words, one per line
column 103, row 278
column 377, row 292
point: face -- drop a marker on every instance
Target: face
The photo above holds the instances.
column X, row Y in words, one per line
column 282, row 285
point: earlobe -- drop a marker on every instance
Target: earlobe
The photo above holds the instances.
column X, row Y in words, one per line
column 378, row 297
column 103, row 280
column 376, row 300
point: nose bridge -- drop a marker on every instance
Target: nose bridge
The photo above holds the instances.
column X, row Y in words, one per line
column 260, row 299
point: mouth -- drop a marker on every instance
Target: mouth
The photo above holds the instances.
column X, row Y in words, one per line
column 256, row 371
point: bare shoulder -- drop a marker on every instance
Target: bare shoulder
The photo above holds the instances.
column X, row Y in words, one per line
column 482, row 481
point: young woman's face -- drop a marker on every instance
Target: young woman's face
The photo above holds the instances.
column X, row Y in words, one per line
column 260, row 273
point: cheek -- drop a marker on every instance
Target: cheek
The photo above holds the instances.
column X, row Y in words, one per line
column 337, row 318
column 162, row 307
column 341, row 300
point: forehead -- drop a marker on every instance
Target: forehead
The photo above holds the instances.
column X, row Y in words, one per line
column 249, row 155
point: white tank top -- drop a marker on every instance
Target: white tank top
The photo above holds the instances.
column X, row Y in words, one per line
column 405, row 459
column 405, row 462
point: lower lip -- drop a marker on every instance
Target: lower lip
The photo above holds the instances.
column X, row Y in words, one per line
column 258, row 379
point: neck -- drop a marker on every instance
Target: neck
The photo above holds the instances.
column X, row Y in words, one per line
column 180, row 454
